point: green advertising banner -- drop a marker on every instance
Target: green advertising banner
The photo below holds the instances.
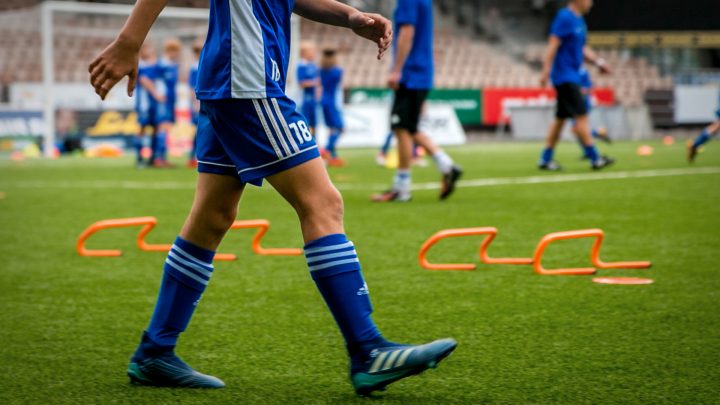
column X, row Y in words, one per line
column 466, row 102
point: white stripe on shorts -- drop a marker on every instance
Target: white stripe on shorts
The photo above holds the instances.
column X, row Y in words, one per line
column 275, row 126
column 284, row 124
column 266, row 128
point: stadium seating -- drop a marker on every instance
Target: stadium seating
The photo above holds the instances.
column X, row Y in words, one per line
column 461, row 62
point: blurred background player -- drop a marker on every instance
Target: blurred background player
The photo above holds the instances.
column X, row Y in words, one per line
column 308, row 77
column 412, row 78
column 168, row 68
column 709, row 131
column 331, row 80
column 596, row 133
column 563, row 61
column 147, row 98
column 195, row 107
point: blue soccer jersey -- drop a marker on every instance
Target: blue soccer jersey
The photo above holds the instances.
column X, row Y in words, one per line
column 166, row 83
column 307, row 70
column 192, row 82
column 418, row 70
column 145, row 103
column 331, row 80
column 247, row 50
column 570, row 28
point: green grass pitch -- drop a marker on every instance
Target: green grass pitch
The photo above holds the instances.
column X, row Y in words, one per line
column 68, row 324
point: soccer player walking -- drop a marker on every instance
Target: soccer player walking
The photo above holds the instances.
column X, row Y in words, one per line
column 707, row 133
column 249, row 131
column 563, row 62
column 412, row 78
column 331, row 80
column 308, row 76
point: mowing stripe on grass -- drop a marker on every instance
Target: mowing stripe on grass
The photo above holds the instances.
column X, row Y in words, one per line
column 489, row 182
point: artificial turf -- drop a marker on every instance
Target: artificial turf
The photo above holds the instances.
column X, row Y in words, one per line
column 68, row 324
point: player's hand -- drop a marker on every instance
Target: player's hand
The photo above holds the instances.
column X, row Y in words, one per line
column 374, row 27
column 160, row 98
column 393, row 80
column 114, row 62
column 605, row 69
column 544, row 80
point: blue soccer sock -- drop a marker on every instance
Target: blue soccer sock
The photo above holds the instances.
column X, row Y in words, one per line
column 335, row 268
column 702, row 139
column 592, row 153
column 332, row 142
column 187, row 271
column 386, row 146
column 547, row 156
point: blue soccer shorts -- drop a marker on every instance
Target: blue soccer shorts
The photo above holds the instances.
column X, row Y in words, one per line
column 252, row 138
column 165, row 112
column 332, row 116
column 147, row 116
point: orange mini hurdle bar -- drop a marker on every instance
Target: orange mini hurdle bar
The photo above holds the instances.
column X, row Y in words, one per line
column 263, row 225
column 599, row 235
column 484, row 257
column 147, row 223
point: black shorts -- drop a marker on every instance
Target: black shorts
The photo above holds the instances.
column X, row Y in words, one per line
column 407, row 108
column 570, row 101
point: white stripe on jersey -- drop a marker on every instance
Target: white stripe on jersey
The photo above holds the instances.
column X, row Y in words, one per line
column 275, row 126
column 247, row 54
column 264, row 123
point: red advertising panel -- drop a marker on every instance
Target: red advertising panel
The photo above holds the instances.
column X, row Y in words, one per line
column 497, row 101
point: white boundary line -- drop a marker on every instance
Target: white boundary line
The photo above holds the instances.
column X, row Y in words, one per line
column 489, row 182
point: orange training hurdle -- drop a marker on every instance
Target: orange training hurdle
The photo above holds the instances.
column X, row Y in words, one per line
column 263, row 225
column 484, row 257
column 148, row 224
column 599, row 235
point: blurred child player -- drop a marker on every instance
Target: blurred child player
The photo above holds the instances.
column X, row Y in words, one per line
column 586, row 89
column 308, row 77
column 563, row 61
column 412, row 79
column 147, row 99
column 167, row 85
column 250, row 131
column 331, row 81
column 709, row 131
column 195, row 103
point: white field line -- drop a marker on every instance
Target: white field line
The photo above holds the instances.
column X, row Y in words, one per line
column 489, row 182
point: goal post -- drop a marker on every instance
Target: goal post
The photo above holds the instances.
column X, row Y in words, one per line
column 172, row 21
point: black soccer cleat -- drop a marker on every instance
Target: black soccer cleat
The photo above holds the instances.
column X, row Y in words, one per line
column 551, row 166
column 168, row 370
column 602, row 162
column 449, row 181
column 692, row 152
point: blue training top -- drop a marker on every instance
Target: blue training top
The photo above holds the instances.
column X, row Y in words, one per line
column 247, row 50
column 144, row 101
column 307, row 70
column 585, row 81
column 418, row 70
column 331, row 80
column 570, row 28
column 168, row 72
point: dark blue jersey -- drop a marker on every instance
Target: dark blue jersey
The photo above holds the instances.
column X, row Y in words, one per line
column 570, row 28
column 418, row 70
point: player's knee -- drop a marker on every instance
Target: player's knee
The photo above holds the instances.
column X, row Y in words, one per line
column 219, row 219
column 327, row 205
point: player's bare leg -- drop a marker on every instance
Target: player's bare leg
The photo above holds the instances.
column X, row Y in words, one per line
column 551, row 140
column 694, row 146
column 451, row 173
column 583, row 132
column 335, row 268
column 402, row 181
column 187, row 273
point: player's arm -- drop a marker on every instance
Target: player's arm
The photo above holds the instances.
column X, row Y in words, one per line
column 370, row 26
column 149, row 85
column 596, row 60
column 404, row 43
column 550, row 53
column 120, row 58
